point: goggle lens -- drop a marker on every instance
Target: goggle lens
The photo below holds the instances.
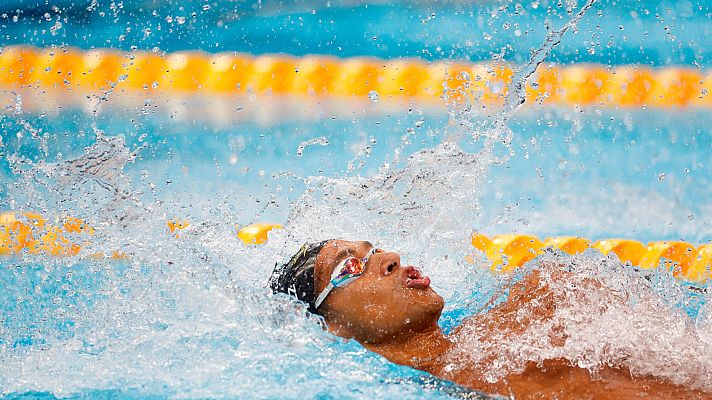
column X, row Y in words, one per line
column 346, row 272
column 354, row 266
column 351, row 268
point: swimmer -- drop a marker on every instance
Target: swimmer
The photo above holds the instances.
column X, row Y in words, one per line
column 364, row 293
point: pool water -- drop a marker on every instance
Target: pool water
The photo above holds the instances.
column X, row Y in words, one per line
column 636, row 165
column 655, row 32
column 191, row 317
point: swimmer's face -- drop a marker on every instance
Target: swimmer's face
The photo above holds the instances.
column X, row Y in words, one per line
column 388, row 301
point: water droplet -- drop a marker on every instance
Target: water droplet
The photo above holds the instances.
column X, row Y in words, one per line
column 57, row 26
column 321, row 140
column 373, row 95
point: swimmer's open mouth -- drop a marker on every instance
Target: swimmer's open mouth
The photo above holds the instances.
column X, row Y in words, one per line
column 413, row 278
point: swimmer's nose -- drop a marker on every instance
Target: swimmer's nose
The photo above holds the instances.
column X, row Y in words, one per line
column 389, row 263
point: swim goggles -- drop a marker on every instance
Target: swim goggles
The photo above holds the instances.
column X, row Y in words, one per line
column 347, row 271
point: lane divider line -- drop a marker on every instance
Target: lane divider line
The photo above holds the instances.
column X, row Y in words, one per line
column 31, row 233
column 63, row 69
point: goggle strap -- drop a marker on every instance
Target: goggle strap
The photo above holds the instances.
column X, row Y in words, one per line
column 323, row 295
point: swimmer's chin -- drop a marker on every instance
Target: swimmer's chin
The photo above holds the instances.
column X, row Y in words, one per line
column 427, row 300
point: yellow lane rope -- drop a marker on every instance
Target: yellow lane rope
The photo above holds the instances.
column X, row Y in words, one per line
column 31, row 233
column 104, row 70
column 686, row 261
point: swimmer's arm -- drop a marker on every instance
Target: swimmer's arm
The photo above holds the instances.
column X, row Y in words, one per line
column 531, row 293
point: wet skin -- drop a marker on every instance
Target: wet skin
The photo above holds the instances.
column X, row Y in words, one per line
column 392, row 310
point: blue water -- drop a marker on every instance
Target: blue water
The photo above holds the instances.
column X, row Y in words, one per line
column 615, row 32
column 154, row 327
column 642, row 162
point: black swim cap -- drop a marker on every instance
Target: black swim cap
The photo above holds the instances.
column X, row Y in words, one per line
column 296, row 278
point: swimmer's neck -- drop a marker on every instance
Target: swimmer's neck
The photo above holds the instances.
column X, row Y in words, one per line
column 422, row 350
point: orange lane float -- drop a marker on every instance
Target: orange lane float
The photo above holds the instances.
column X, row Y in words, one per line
column 568, row 244
column 676, row 256
column 187, row 72
column 686, row 261
column 702, row 263
column 31, row 233
column 142, row 72
column 507, row 252
column 177, row 225
column 15, row 65
column 314, row 75
column 99, row 71
column 628, row 251
column 220, row 76
column 256, row 233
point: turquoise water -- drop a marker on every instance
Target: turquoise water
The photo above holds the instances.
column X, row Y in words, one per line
column 652, row 32
column 190, row 316
column 640, row 162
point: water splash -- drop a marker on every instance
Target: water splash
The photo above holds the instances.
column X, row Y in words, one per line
column 603, row 315
column 517, row 95
column 321, row 140
column 98, row 171
column 184, row 317
column 495, row 130
column 191, row 317
column 435, row 196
